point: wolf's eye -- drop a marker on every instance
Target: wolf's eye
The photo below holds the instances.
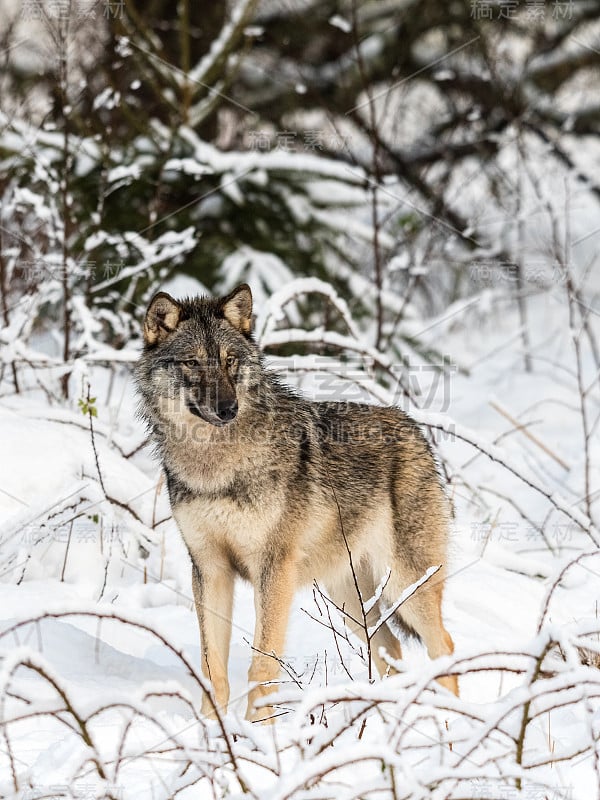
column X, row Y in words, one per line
column 191, row 362
column 231, row 360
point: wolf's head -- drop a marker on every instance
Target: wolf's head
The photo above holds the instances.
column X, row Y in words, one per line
column 198, row 355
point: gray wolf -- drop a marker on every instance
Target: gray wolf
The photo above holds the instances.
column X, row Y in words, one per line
column 270, row 486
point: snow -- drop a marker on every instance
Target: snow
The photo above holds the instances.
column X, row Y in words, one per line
column 209, row 157
column 272, row 310
column 108, row 585
column 340, row 22
column 167, row 246
column 100, row 682
column 219, row 46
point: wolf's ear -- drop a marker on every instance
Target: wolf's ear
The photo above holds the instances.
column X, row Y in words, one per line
column 237, row 308
column 162, row 318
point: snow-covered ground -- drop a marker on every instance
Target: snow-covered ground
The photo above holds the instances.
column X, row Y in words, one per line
column 94, row 592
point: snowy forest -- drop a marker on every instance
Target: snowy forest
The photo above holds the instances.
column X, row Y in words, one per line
column 412, row 192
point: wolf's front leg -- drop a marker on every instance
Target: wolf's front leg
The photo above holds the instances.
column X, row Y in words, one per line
column 272, row 600
column 213, row 596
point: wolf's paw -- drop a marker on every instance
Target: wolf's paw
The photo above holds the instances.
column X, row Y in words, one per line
column 208, row 707
column 263, row 714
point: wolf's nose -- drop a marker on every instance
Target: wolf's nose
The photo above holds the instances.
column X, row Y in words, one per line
column 227, row 411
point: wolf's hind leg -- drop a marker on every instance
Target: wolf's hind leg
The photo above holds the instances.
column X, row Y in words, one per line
column 423, row 614
column 343, row 593
column 213, row 596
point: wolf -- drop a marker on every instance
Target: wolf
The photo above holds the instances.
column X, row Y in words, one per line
column 283, row 491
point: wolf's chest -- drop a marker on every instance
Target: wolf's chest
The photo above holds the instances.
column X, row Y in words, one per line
column 227, row 531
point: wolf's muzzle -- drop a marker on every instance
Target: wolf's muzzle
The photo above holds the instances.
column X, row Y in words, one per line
column 223, row 414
